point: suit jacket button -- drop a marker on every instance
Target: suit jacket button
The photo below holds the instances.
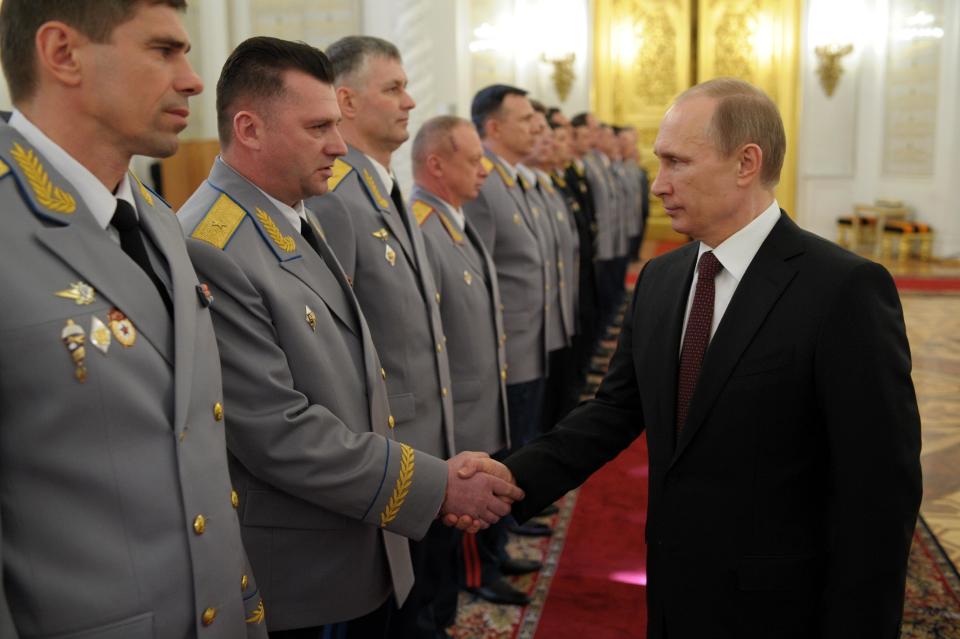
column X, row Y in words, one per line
column 199, row 524
column 234, row 499
column 443, row 391
column 208, row 616
column 218, row 412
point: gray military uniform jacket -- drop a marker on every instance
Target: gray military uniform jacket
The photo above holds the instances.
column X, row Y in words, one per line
column 503, row 222
column 568, row 250
column 472, row 320
column 604, row 205
column 628, row 205
column 310, row 435
column 539, row 211
column 116, row 501
column 381, row 250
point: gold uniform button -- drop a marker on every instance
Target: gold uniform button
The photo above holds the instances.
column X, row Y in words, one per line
column 234, row 499
column 439, row 347
column 199, row 524
column 437, row 297
column 208, row 616
column 503, row 374
column 383, row 373
column 244, row 582
column 443, row 391
column 391, row 422
column 218, row 412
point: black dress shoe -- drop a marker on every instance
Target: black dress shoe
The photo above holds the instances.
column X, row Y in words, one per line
column 531, row 529
column 518, row 566
column 549, row 511
column 500, row 592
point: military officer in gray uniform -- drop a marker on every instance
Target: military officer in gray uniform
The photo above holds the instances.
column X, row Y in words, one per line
column 118, row 519
column 326, row 483
column 504, row 118
column 381, row 250
column 449, row 170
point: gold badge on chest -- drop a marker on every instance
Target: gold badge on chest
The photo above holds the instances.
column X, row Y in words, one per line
column 311, row 318
column 80, row 292
column 468, row 277
column 74, row 338
column 390, row 255
column 99, row 334
column 122, row 328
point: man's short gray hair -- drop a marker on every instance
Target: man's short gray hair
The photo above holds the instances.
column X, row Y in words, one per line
column 436, row 135
column 349, row 55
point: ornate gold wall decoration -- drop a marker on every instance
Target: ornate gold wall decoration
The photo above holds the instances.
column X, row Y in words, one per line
column 643, row 53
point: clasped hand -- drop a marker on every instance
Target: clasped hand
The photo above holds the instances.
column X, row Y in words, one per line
column 480, row 491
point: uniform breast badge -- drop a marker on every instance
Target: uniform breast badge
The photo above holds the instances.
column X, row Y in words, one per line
column 122, row 328
column 74, row 338
column 468, row 278
column 311, row 318
column 389, row 254
column 206, row 297
column 99, row 334
column 80, row 292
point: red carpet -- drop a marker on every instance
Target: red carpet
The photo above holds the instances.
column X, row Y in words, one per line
column 598, row 591
column 927, row 284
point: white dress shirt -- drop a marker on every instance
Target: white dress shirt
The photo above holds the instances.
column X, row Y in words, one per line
column 735, row 254
column 96, row 197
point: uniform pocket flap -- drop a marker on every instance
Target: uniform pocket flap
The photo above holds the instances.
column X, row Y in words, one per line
column 467, row 390
column 139, row 627
column 273, row 509
column 403, row 407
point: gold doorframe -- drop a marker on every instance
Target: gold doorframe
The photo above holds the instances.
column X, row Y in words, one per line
column 646, row 52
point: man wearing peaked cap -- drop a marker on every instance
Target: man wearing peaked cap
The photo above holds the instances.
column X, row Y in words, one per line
column 329, row 487
column 118, row 512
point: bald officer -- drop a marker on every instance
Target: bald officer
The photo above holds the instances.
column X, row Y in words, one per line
column 326, row 483
column 116, row 502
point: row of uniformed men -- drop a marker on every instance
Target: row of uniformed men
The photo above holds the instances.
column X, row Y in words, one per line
column 335, row 374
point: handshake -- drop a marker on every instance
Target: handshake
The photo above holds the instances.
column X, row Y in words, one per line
column 480, row 491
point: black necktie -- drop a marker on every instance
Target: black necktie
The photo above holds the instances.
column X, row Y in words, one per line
column 131, row 241
column 396, row 197
column 307, row 232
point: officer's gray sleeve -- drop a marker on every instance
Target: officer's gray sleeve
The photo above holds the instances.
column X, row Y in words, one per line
column 298, row 447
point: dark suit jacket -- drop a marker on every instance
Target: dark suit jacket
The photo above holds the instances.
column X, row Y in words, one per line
column 787, row 507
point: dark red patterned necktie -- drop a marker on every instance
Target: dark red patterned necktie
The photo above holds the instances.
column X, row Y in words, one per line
column 697, row 335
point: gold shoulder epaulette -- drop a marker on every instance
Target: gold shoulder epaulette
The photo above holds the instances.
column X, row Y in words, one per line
column 421, row 211
column 487, row 164
column 340, row 170
column 220, row 222
column 503, row 174
column 4, row 169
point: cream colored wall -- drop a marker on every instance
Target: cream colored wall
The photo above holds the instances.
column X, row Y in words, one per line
column 842, row 137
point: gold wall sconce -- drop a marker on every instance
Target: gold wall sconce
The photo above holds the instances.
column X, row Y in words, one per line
column 563, row 73
column 829, row 68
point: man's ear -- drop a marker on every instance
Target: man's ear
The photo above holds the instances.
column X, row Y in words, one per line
column 434, row 165
column 347, row 100
column 749, row 164
column 491, row 129
column 248, row 130
column 60, row 50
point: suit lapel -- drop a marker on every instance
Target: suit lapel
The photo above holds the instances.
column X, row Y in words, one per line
column 380, row 197
column 77, row 238
column 158, row 222
column 763, row 283
column 304, row 265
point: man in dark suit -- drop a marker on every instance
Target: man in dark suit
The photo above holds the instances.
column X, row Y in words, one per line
column 771, row 372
